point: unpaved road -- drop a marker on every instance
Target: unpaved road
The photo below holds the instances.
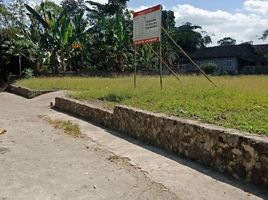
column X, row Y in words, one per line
column 39, row 162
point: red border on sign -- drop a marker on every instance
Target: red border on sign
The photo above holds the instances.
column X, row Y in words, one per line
column 149, row 40
column 146, row 11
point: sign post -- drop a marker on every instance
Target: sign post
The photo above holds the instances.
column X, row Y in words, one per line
column 161, row 66
column 147, row 26
column 135, row 66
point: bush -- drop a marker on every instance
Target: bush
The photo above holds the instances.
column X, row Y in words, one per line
column 3, row 73
column 209, row 68
column 28, row 73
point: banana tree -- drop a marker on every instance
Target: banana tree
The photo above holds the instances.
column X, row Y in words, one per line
column 79, row 38
column 111, row 34
column 57, row 34
column 49, row 33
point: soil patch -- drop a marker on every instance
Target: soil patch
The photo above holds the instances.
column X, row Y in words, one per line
column 3, row 150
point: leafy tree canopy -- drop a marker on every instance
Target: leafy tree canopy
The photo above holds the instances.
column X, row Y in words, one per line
column 227, row 41
column 82, row 34
column 191, row 37
column 264, row 35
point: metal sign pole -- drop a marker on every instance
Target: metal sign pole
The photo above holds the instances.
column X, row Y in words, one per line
column 135, row 66
column 161, row 65
column 160, row 51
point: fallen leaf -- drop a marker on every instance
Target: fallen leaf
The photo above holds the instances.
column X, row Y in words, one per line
column 2, row 131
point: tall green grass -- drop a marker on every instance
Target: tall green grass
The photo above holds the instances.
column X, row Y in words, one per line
column 238, row 102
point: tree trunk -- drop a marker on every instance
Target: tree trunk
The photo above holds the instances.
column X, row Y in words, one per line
column 82, row 59
column 53, row 62
column 62, row 64
column 20, row 65
column 39, row 64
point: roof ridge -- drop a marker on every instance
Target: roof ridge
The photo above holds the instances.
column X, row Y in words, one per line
column 245, row 51
column 228, row 46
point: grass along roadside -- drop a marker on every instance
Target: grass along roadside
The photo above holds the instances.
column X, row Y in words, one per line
column 238, row 102
column 69, row 127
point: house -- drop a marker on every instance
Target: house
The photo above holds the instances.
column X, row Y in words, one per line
column 243, row 58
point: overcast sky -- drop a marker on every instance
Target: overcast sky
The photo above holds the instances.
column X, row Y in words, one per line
column 244, row 20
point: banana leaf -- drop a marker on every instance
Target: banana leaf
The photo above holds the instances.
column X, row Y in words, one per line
column 37, row 16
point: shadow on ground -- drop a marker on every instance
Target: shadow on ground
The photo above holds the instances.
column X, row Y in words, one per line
column 209, row 171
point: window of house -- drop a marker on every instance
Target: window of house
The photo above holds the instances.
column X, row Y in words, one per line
column 212, row 62
column 229, row 63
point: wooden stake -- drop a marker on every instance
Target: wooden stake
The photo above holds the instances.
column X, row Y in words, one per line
column 187, row 56
column 173, row 72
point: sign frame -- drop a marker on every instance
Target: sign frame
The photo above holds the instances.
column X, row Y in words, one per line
column 147, row 25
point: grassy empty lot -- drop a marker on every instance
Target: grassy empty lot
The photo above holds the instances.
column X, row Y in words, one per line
column 238, row 102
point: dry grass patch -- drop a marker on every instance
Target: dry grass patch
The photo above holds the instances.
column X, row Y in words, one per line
column 69, row 127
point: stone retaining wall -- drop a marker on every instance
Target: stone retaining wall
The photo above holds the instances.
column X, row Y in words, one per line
column 242, row 155
column 3, row 87
column 86, row 111
column 25, row 92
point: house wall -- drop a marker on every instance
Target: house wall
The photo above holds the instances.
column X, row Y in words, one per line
column 222, row 64
column 259, row 69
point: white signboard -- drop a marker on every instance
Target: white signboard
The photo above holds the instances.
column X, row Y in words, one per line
column 147, row 25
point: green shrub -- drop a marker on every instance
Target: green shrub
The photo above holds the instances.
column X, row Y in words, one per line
column 209, row 68
column 28, row 73
column 3, row 73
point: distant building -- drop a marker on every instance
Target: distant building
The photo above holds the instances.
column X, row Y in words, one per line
column 243, row 59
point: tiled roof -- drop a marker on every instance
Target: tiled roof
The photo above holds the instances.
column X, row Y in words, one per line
column 244, row 51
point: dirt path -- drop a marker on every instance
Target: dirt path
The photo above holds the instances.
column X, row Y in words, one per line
column 39, row 162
